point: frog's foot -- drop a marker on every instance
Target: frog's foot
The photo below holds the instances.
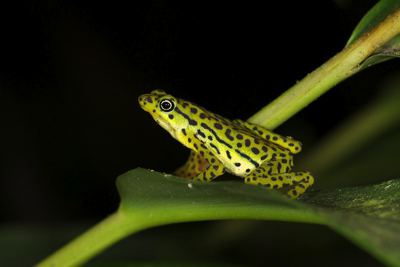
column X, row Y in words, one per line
column 303, row 180
column 195, row 165
column 298, row 182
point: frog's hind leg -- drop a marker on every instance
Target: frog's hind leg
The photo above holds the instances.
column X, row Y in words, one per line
column 195, row 165
column 288, row 143
column 260, row 176
column 297, row 182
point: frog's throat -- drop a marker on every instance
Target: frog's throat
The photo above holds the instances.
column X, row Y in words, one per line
column 166, row 126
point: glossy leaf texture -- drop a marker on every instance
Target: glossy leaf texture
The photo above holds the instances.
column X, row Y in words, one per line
column 374, row 16
column 369, row 216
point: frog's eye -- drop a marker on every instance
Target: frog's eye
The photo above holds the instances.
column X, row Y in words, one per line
column 167, row 105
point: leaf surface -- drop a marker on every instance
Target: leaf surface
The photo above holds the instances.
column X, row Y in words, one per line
column 369, row 216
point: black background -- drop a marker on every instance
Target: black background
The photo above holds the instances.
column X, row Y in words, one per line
column 71, row 72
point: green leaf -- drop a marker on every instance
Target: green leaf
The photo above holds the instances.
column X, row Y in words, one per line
column 369, row 216
column 372, row 19
column 181, row 200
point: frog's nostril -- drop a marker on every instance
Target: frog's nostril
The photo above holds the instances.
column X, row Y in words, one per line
column 149, row 100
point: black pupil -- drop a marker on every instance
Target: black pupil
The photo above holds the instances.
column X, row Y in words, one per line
column 166, row 105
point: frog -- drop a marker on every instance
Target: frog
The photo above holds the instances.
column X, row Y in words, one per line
column 218, row 145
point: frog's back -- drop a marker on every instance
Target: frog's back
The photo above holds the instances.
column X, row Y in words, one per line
column 239, row 150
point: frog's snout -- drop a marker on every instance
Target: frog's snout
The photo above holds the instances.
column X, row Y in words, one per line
column 146, row 101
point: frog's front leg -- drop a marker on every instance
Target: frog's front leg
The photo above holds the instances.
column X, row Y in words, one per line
column 201, row 166
column 195, row 165
column 213, row 170
column 298, row 182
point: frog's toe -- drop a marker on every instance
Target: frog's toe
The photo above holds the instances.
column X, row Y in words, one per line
column 303, row 180
column 297, row 182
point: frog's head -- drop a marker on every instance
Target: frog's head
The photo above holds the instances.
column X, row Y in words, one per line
column 164, row 109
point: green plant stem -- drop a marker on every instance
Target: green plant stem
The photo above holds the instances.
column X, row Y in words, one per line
column 335, row 70
column 126, row 222
column 102, row 235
